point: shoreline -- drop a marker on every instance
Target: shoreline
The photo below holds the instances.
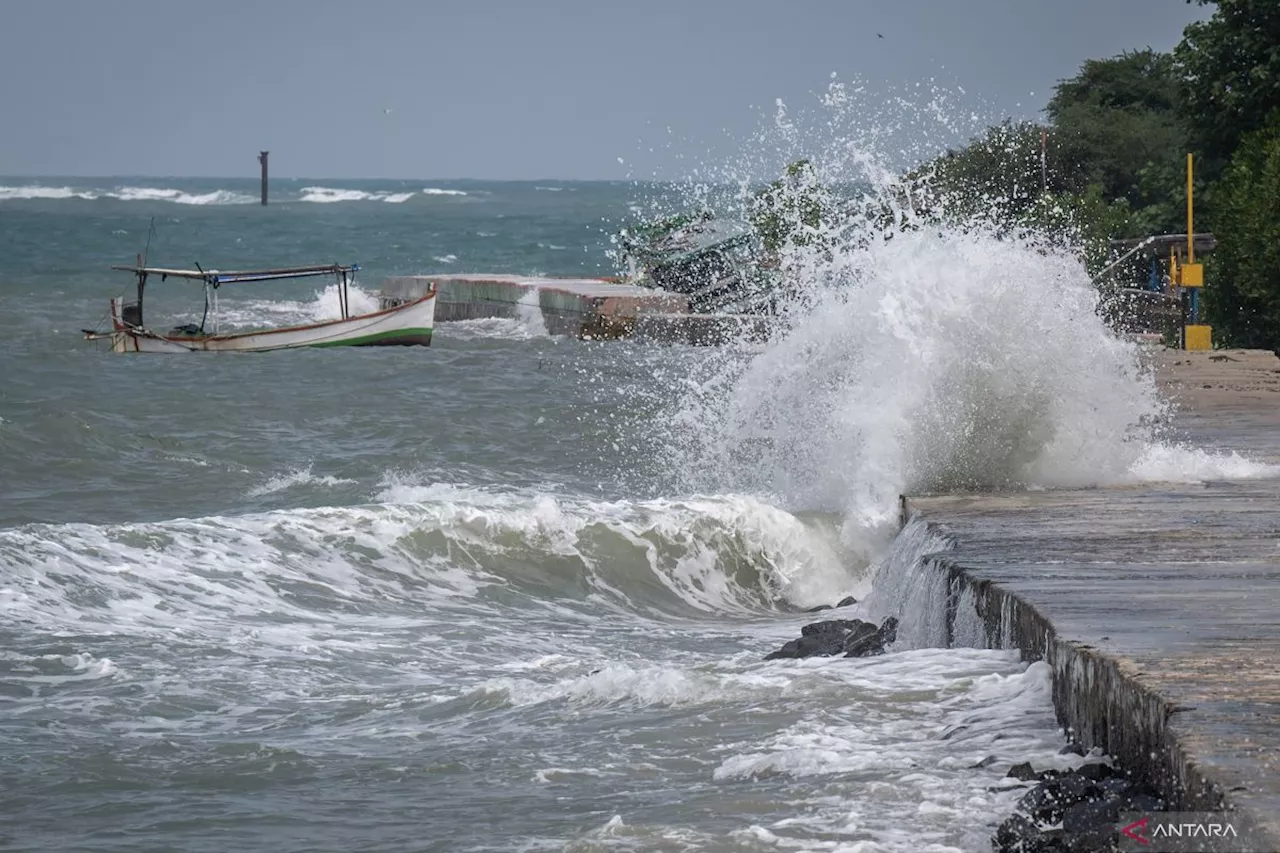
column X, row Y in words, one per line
column 1152, row 604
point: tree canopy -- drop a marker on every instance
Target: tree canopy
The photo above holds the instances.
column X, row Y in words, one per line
column 1229, row 76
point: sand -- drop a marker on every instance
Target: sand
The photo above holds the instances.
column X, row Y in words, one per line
column 1224, row 399
column 1220, row 380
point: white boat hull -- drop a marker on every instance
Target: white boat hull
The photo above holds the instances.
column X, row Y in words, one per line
column 410, row 324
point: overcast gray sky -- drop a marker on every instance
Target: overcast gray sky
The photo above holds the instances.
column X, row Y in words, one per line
column 504, row 90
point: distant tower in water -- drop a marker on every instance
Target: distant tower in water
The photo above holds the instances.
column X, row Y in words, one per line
column 262, row 158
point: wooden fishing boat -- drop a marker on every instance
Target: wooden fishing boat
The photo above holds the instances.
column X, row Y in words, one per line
column 395, row 323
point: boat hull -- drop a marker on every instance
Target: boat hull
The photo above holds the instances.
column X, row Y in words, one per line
column 410, row 324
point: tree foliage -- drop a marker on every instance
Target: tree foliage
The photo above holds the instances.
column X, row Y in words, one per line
column 1116, row 126
column 1243, row 300
column 794, row 211
column 997, row 177
column 1229, row 71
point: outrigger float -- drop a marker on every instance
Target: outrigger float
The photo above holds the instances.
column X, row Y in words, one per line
column 397, row 322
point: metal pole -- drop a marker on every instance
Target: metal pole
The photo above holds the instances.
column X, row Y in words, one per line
column 1191, row 223
column 262, row 158
column 1044, row 160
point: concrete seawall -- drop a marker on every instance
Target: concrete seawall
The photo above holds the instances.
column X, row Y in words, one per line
column 1157, row 607
column 587, row 308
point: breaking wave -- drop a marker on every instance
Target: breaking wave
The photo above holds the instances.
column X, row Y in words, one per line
column 38, row 192
column 259, row 313
column 924, row 355
column 313, row 195
column 176, row 196
column 423, row 547
column 180, row 197
column 329, row 195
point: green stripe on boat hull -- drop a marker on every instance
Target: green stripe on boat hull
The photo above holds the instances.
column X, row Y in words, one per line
column 399, row 337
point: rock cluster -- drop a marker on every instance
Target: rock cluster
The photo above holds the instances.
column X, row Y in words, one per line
column 1072, row 812
column 852, row 638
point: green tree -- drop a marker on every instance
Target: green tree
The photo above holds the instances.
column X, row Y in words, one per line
column 997, row 177
column 1229, row 66
column 796, row 210
column 1243, row 276
column 1116, row 126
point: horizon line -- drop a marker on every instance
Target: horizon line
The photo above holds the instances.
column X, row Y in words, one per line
column 291, row 178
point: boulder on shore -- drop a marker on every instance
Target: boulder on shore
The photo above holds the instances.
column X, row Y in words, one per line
column 848, row 637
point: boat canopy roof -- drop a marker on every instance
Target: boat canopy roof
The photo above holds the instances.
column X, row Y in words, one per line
column 217, row 277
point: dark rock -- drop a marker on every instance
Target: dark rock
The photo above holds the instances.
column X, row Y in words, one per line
column 847, row 601
column 1073, row 749
column 873, row 644
column 1018, row 834
column 836, row 627
column 1048, row 801
column 1022, row 772
column 1096, row 771
column 819, row 608
column 852, row 637
column 1115, row 786
column 1082, row 806
column 1141, row 802
column 1086, row 817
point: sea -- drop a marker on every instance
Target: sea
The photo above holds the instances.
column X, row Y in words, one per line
column 513, row 592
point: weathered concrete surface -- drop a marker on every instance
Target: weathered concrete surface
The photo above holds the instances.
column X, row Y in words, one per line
column 1158, row 607
column 588, row 308
column 582, row 307
column 1228, row 399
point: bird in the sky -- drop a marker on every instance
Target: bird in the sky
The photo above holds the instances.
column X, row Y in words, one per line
column 386, row 111
column 881, row 35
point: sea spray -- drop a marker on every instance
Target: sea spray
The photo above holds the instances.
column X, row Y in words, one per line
column 915, row 351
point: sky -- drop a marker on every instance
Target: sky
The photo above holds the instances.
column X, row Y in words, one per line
column 551, row 89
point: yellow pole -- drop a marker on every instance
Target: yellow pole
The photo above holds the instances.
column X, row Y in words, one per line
column 1191, row 244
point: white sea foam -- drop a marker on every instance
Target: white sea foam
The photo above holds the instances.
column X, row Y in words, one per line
column 326, row 305
column 529, row 313
column 41, row 192
column 1181, row 463
column 331, row 195
column 179, row 196
column 438, row 191
column 295, row 478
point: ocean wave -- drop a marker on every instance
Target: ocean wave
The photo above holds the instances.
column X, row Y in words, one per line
column 126, row 193
column 295, row 478
column 330, row 195
column 41, row 192
column 179, row 196
column 422, row 548
column 234, row 313
column 439, row 191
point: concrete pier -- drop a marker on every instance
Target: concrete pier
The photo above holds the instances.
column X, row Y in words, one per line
column 587, row 308
column 1158, row 607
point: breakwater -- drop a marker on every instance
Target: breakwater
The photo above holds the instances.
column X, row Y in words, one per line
column 1154, row 608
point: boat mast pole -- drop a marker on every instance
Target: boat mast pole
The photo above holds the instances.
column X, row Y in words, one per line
column 142, row 284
